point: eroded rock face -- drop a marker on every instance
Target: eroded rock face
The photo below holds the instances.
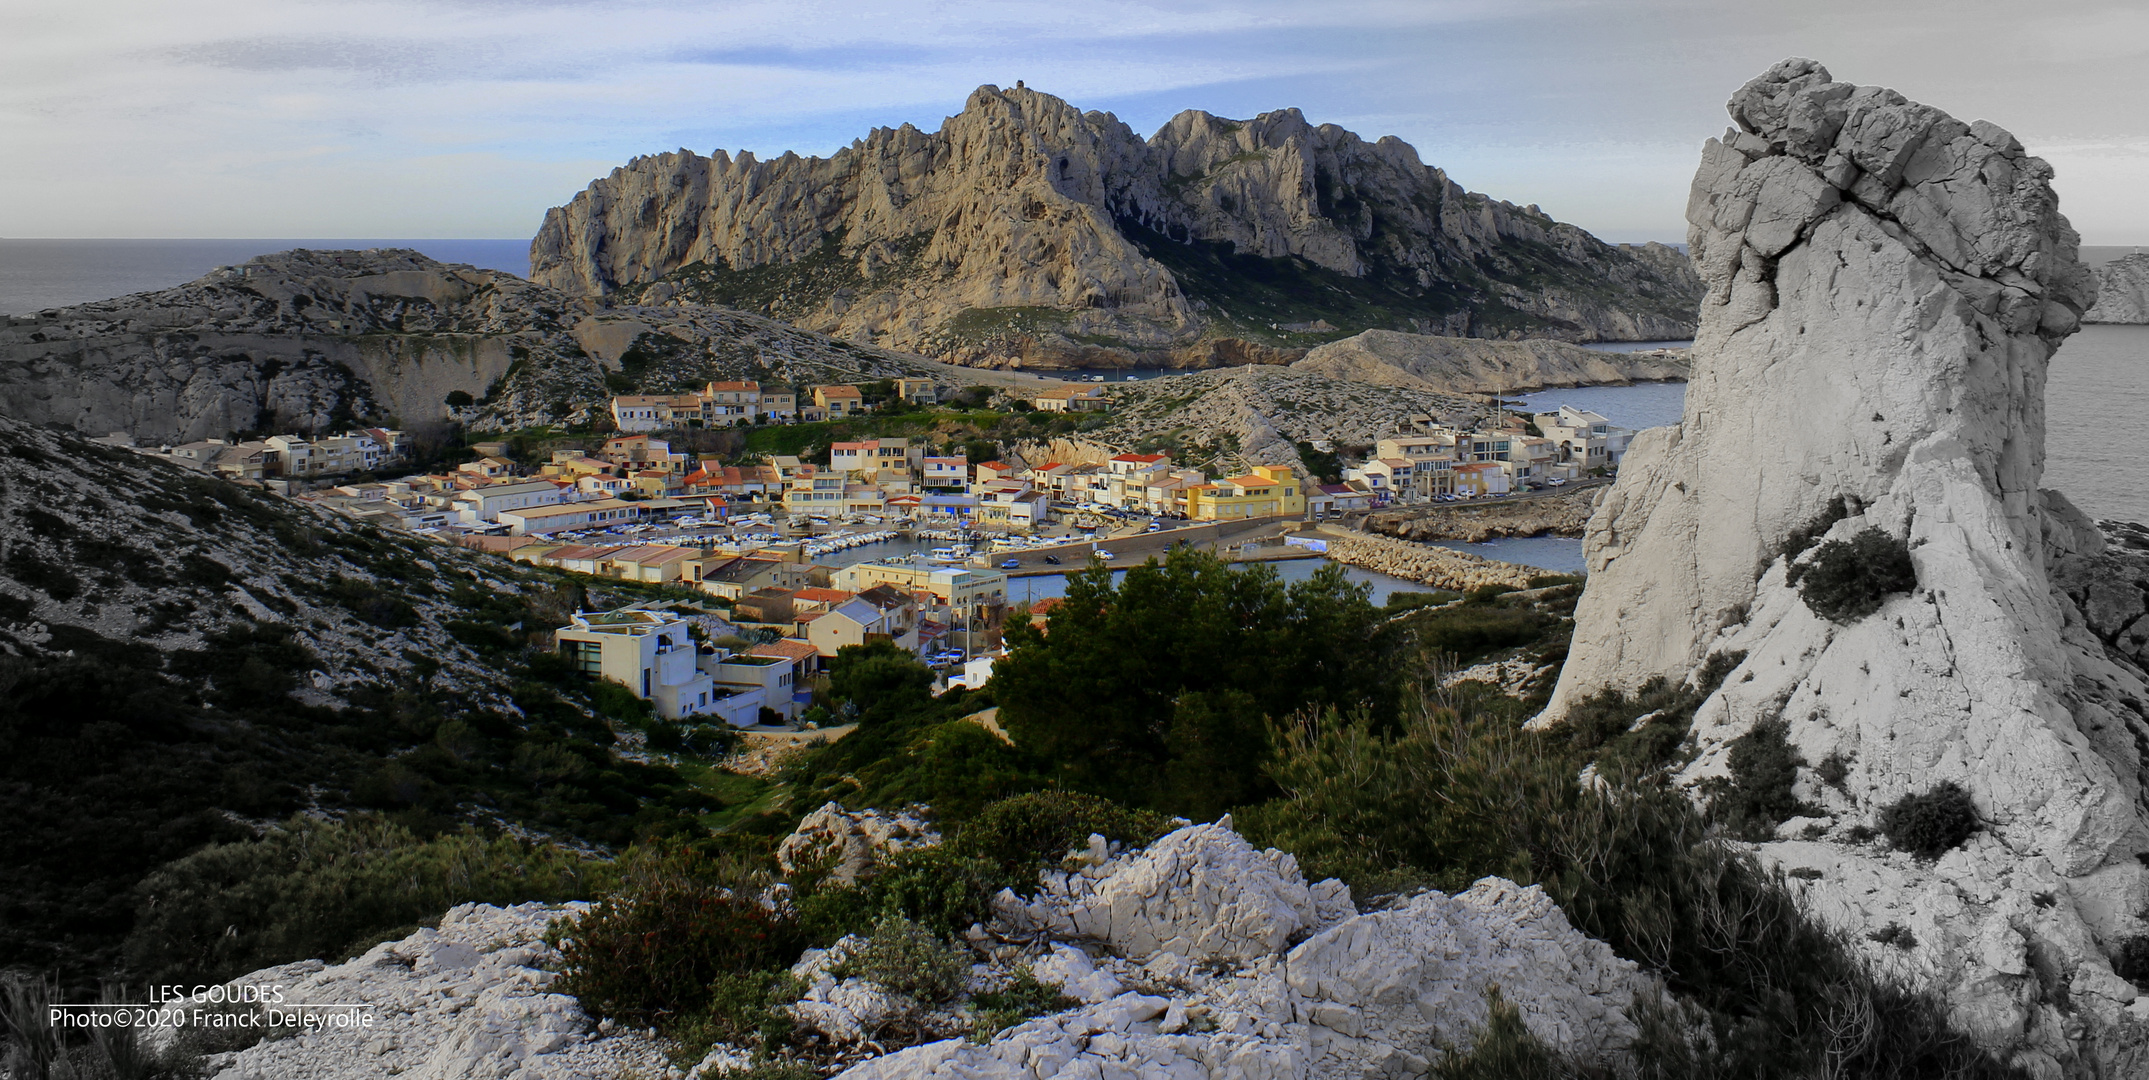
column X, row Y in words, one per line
column 1886, row 285
column 2122, row 291
column 1025, row 229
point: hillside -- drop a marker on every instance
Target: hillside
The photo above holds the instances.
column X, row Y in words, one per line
column 313, row 341
column 1257, row 415
column 1027, row 229
column 186, row 659
column 1466, row 366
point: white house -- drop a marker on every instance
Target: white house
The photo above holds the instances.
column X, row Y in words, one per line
column 482, row 506
column 648, row 652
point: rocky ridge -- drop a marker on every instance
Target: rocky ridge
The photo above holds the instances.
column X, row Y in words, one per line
column 1026, row 228
column 1555, row 515
column 2122, row 291
column 313, row 341
column 1468, row 366
column 1198, row 955
column 1885, row 287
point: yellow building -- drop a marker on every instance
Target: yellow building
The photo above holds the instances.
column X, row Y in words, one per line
column 1267, row 491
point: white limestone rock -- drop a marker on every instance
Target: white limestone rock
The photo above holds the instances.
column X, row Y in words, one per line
column 1886, row 285
column 469, row 1000
column 1201, row 892
column 852, row 844
column 1369, row 995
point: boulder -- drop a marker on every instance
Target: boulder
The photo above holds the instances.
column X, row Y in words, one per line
column 851, row 845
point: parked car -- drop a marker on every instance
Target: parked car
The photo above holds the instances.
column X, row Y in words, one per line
column 1152, row 527
column 1103, row 554
column 1053, row 559
column 1006, row 564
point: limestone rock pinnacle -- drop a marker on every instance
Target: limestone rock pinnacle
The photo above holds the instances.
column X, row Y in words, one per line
column 1885, row 287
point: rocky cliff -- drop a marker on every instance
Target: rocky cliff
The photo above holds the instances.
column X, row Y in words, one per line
column 1027, row 229
column 312, row 341
column 2123, row 291
column 1885, row 287
column 1467, row 366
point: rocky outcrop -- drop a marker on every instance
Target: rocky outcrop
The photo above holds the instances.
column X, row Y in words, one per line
column 1886, row 285
column 850, row 845
column 1465, row 366
column 315, row 341
column 1440, row 567
column 469, row 1001
column 1026, row 228
column 1538, row 515
column 1207, row 957
column 2122, row 291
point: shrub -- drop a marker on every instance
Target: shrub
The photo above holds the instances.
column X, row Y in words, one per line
column 904, row 957
column 2130, row 961
column 1757, row 796
column 1024, row 834
column 1928, row 825
column 1025, row 997
column 329, row 889
column 941, row 889
column 744, row 1009
column 1848, row 580
column 1504, row 1050
column 1810, row 533
column 679, row 920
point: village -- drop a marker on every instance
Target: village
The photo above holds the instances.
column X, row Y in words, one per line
column 755, row 542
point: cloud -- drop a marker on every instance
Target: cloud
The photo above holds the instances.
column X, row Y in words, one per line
column 368, row 116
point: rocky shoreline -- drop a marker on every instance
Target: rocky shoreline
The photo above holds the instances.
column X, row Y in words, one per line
column 1441, row 568
column 1553, row 515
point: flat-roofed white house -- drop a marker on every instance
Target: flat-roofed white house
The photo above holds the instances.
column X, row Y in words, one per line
column 648, row 652
column 483, row 505
column 546, row 519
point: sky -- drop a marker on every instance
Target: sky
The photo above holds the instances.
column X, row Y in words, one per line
column 469, row 118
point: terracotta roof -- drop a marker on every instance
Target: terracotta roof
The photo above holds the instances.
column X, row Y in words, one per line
column 786, row 648
column 1143, row 458
column 824, row 596
column 1045, row 606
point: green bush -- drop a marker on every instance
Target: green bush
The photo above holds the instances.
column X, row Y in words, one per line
column 1455, row 795
column 678, row 920
column 330, row 890
column 1018, row 837
column 1931, row 823
column 996, row 1010
column 744, row 1009
column 1757, row 796
column 1504, row 1050
column 904, row 957
column 1848, row 580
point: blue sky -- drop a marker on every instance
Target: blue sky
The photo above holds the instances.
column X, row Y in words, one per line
column 283, row 118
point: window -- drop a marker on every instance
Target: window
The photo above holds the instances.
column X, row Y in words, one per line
column 586, row 657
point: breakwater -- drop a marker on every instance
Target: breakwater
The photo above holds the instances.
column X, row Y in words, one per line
column 1440, row 568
